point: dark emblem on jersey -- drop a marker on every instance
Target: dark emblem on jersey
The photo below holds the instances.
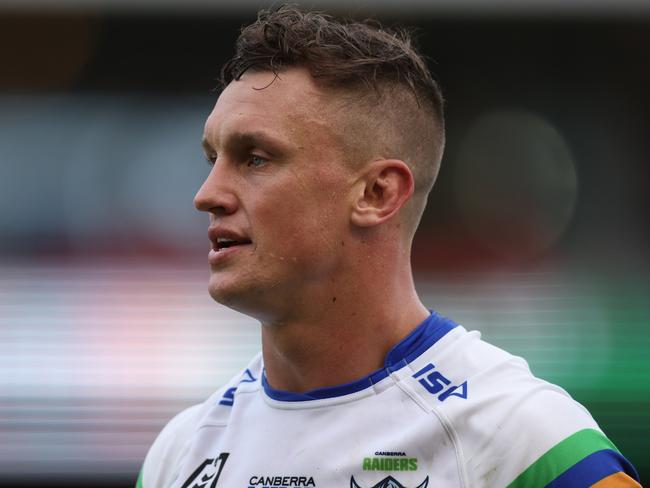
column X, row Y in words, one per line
column 207, row 474
column 390, row 482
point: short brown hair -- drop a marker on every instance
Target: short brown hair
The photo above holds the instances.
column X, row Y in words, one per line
column 361, row 57
column 338, row 53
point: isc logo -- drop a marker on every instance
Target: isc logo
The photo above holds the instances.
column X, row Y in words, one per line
column 436, row 384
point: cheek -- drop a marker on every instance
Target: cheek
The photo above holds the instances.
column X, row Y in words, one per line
column 302, row 214
column 298, row 229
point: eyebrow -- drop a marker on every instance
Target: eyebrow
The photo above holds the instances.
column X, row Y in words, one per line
column 251, row 139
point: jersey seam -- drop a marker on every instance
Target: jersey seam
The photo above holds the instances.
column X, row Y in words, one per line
column 444, row 421
column 211, row 424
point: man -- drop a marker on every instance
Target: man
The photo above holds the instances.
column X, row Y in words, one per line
column 324, row 145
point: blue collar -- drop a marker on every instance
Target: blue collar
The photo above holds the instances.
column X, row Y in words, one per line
column 430, row 331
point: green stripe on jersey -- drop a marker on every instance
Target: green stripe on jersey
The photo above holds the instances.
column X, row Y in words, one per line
column 561, row 457
column 139, row 484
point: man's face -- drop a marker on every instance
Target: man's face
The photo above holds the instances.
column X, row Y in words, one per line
column 278, row 193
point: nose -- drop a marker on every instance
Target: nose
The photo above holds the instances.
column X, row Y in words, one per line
column 216, row 195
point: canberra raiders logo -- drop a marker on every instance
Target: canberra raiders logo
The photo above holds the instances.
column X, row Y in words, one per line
column 390, row 482
column 207, row 474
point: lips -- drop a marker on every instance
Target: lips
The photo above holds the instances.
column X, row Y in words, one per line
column 223, row 238
column 225, row 243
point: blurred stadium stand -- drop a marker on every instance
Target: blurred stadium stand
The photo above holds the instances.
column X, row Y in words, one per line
column 536, row 233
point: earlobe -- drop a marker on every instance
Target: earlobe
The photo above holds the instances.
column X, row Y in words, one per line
column 383, row 190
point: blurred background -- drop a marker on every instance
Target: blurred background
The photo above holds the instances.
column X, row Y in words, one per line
column 536, row 233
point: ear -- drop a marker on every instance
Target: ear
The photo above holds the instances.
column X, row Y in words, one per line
column 383, row 189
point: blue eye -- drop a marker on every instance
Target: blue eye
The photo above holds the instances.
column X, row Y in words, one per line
column 256, row 161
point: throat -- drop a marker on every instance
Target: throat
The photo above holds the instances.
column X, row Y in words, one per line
column 317, row 360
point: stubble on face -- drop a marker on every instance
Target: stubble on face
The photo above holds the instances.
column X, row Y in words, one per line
column 295, row 206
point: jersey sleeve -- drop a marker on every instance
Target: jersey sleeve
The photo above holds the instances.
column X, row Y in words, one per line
column 586, row 458
column 517, row 431
column 538, row 436
column 162, row 460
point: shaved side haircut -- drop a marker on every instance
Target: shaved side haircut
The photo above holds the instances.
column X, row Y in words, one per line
column 389, row 106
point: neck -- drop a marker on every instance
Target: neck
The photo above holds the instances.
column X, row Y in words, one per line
column 341, row 340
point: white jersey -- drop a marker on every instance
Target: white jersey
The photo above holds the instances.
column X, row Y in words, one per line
column 446, row 410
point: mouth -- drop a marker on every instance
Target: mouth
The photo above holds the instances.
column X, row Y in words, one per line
column 223, row 243
column 226, row 243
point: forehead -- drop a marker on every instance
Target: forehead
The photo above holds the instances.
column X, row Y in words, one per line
column 289, row 102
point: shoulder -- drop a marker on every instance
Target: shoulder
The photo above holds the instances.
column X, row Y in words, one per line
column 511, row 428
column 166, row 455
column 167, row 450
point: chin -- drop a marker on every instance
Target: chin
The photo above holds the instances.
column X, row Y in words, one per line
column 247, row 299
column 232, row 295
column 222, row 293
